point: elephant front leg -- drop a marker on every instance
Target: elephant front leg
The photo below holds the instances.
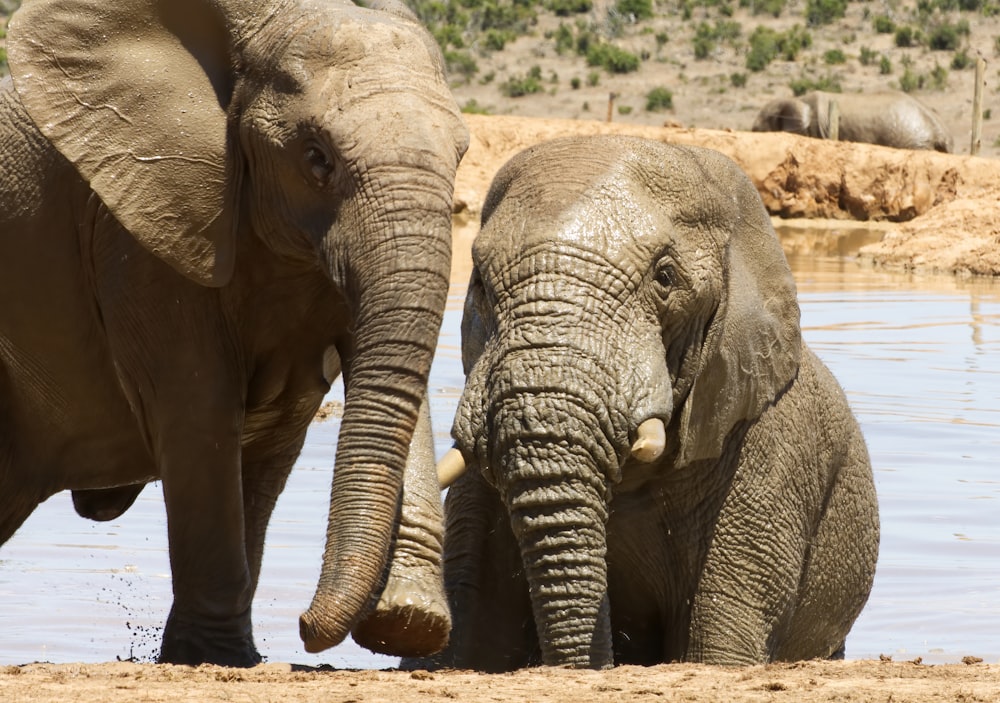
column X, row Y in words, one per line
column 212, row 585
column 411, row 617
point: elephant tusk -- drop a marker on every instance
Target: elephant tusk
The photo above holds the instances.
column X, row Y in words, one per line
column 451, row 466
column 651, row 439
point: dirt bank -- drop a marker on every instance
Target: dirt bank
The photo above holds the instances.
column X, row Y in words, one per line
column 937, row 212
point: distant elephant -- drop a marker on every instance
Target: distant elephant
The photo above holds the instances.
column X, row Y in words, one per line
column 658, row 468
column 889, row 118
column 208, row 210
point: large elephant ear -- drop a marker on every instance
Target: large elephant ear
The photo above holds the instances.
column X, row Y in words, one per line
column 819, row 102
column 753, row 346
column 134, row 93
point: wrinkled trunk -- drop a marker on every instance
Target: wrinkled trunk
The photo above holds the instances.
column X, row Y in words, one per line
column 556, row 495
column 400, row 283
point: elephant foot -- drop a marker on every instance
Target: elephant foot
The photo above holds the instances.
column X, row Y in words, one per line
column 193, row 646
column 407, row 621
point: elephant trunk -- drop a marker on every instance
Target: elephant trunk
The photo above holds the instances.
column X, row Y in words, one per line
column 556, row 495
column 399, row 295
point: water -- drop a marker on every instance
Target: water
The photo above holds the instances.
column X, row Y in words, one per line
column 919, row 358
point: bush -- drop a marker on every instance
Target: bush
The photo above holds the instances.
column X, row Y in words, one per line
column 612, row 58
column 639, row 9
column 867, row 56
column 834, row 56
column 564, row 39
column 574, row 83
column 565, row 8
column 905, row 37
column 910, row 81
column 939, row 77
column 462, row 63
column 819, row 12
column 659, row 99
column 943, row 37
column 763, row 48
column 883, row 24
column 801, row 86
column 624, row 109
column 961, row 60
column 738, row 80
column 884, row 65
column 471, row 107
column 518, row 86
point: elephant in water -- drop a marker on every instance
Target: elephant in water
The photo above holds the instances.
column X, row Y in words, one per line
column 657, row 466
column 208, row 210
column 890, row 118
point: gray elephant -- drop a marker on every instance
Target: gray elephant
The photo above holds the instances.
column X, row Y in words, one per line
column 888, row 118
column 208, row 210
column 658, row 468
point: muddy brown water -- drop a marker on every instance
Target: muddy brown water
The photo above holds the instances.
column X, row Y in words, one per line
column 919, row 358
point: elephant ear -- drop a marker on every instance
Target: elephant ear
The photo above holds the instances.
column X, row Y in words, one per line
column 134, row 94
column 753, row 345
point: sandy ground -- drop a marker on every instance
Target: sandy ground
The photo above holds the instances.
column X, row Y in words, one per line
column 932, row 212
column 805, row 682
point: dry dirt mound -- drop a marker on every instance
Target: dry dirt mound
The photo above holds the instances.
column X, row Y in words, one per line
column 950, row 204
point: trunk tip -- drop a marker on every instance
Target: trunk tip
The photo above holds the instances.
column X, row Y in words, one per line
column 315, row 636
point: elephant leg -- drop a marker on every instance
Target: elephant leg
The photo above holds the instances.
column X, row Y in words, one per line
column 183, row 378
column 493, row 628
column 840, row 566
column 103, row 504
column 411, row 617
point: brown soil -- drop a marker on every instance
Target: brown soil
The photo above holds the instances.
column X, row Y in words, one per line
column 806, row 682
column 951, row 205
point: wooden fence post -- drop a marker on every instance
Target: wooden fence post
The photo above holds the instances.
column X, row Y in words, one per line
column 977, row 107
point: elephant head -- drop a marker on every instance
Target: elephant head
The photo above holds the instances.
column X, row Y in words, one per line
column 324, row 129
column 630, row 308
column 784, row 115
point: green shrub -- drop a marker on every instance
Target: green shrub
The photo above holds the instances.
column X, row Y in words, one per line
column 802, row 85
column 519, row 86
column 905, row 36
column 612, row 58
column 659, row 99
column 640, row 9
column 961, row 60
column 820, row 12
column 883, row 24
column 910, row 81
column 768, row 7
column 624, row 109
column 565, row 8
column 495, row 40
column 574, row 83
column 763, row 48
column 834, row 56
column 738, row 80
column 471, row 107
column 867, row 56
column 939, row 77
column 593, row 78
column 793, row 41
column 461, row 63
column 704, row 41
column 884, row 65
column 943, row 37
column 563, row 36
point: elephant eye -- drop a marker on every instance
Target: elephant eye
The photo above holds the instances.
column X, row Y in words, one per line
column 665, row 275
column 317, row 164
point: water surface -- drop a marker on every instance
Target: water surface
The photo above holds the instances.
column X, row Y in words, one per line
column 919, row 358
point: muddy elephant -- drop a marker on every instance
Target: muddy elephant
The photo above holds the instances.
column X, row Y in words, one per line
column 657, row 468
column 209, row 209
column 889, row 118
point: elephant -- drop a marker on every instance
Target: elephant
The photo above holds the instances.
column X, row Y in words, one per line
column 651, row 464
column 889, row 118
column 209, row 210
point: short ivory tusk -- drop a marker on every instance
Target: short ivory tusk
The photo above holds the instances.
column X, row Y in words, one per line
column 451, row 466
column 651, row 439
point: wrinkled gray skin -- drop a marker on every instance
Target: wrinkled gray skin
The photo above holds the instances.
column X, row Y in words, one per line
column 890, row 119
column 208, row 210
column 617, row 280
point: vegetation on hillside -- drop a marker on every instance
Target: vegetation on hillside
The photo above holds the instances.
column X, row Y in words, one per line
column 620, row 36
